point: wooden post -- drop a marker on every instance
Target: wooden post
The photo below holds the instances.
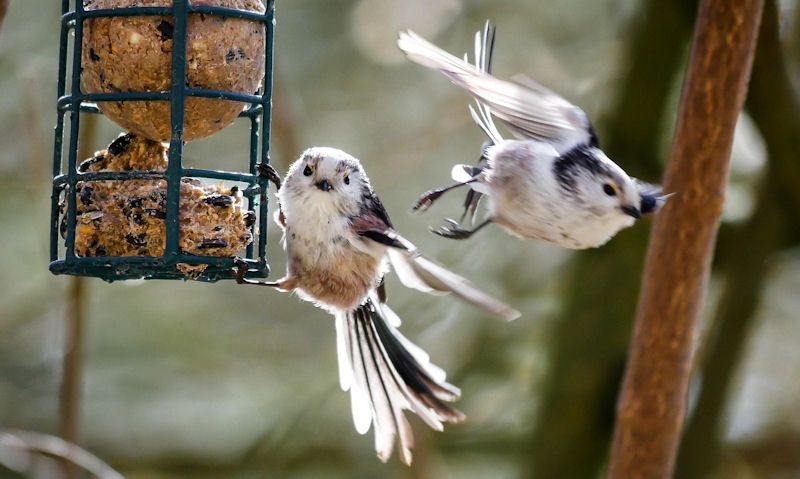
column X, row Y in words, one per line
column 74, row 319
column 652, row 405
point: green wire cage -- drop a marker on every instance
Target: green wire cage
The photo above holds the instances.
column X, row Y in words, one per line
column 72, row 102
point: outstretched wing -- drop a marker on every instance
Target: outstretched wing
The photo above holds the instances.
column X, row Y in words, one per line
column 530, row 111
column 417, row 271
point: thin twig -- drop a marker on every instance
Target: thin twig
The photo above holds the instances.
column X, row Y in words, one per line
column 31, row 442
column 653, row 401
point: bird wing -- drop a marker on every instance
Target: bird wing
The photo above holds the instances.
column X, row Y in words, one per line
column 416, row 271
column 419, row 272
column 387, row 374
column 530, row 111
column 481, row 113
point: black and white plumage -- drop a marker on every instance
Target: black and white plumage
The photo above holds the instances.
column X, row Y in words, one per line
column 340, row 242
column 387, row 374
column 553, row 182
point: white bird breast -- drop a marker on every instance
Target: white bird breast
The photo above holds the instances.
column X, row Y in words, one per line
column 526, row 199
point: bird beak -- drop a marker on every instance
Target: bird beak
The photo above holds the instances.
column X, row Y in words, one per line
column 648, row 204
column 324, row 185
column 651, row 203
column 632, row 211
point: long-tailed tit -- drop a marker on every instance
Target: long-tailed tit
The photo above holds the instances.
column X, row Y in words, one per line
column 340, row 242
column 553, row 182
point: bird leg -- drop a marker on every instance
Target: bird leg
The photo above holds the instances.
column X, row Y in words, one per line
column 456, row 231
column 241, row 269
column 471, row 205
column 268, row 172
column 427, row 199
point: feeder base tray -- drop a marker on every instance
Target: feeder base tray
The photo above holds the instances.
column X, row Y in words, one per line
column 113, row 268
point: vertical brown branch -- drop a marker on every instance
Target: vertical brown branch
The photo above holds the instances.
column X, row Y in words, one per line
column 36, row 166
column 653, row 401
column 774, row 106
column 574, row 420
column 72, row 370
column 3, row 11
column 285, row 136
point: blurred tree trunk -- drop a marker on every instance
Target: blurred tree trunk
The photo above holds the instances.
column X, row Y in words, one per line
column 775, row 455
column 575, row 418
column 652, row 405
column 74, row 319
column 285, row 135
column 775, row 109
column 3, row 11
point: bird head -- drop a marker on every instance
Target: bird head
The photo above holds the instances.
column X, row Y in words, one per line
column 327, row 175
column 595, row 183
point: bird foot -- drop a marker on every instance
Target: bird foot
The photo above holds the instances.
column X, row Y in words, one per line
column 453, row 231
column 268, row 172
column 240, row 270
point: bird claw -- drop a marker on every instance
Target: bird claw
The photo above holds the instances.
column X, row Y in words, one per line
column 426, row 200
column 240, row 270
column 268, row 172
column 454, row 231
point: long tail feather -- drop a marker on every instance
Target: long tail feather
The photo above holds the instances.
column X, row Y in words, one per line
column 387, row 374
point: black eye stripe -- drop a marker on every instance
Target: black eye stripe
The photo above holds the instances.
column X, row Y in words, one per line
column 609, row 189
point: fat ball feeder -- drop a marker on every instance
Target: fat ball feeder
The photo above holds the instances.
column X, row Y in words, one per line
column 165, row 71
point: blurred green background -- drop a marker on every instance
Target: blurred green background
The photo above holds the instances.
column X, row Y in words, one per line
column 184, row 379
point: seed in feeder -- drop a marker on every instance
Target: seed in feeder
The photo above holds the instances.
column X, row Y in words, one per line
column 136, row 240
column 233, row 55
column 218, row 200
column 250, row 218
column 121, row 144
column 85, row 194
column 134, row 54
column 157, row 213
column 85, row 164
column 213, row 243
column 138, row 219
column 166, row 29
column 136, row 202
column 126, row 217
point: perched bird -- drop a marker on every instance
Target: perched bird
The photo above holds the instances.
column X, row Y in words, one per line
column 553, row 182
column 340, row 241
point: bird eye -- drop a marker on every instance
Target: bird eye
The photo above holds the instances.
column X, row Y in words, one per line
column 609, row 189
column 307, row 171
column 347, row 180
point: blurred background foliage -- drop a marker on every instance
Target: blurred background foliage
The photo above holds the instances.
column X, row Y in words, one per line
column 184, row 379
